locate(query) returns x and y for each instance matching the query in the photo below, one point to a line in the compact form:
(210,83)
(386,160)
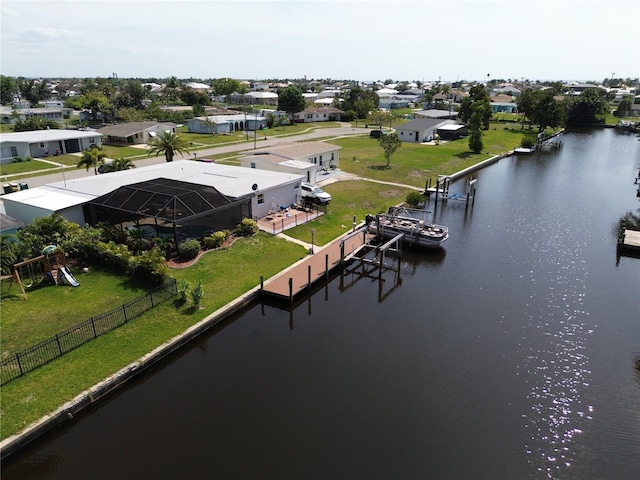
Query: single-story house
(418,129)
(10,115)
(321,114)
(504,107)
(134,133)
(452,131)
(397,101)
(322,155)
(42,143)
(220,124)
(434,113)
(183,196)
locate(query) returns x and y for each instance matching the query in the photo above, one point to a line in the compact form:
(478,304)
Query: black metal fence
(54,347)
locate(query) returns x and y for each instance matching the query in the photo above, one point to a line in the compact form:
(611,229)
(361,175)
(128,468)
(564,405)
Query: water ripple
(555,362)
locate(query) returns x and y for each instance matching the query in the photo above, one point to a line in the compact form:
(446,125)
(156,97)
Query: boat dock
(315,266)
(630,239)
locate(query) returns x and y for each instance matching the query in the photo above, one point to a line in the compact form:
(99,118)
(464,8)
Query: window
(260,199)
(14,151)
(253,164)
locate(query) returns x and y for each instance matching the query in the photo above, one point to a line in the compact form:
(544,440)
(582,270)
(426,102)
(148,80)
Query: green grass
(349,199)
(27,399)
(24,167)
(27,321)
(121,151)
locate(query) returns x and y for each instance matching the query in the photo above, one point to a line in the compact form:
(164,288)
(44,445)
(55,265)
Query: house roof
(297,150)
(47,135)
(229,180)
(433,113)
(9,223)
(321,110)
(280,160)
(420,124)
(128,129)
(168,199)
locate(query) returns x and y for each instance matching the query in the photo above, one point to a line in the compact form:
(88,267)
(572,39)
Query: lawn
(350,199)
(25,322)
(416,163)
(27,399)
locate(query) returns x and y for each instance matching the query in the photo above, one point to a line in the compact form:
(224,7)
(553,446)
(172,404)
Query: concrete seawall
(66,412)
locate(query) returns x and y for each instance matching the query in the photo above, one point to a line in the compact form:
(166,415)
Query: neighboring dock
(315,266)
(630,239)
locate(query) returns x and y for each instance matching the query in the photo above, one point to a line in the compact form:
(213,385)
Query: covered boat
(401,221)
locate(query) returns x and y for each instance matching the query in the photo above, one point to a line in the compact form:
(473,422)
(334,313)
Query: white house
(42,143)
(134,132)
(221,124)
(258,189)
(304,158)
(419,129)
(10,115)
(320,114)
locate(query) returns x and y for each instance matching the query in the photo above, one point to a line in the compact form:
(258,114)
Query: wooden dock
(316,265)
(631,239)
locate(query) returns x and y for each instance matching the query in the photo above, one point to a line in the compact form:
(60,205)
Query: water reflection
(557,369)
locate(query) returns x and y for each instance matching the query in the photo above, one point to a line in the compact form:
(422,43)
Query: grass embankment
(225,275)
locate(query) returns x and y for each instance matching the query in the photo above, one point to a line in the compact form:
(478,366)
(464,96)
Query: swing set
(50,265)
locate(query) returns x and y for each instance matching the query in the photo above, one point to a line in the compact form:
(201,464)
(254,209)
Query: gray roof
(128,129)
(47,135)
(294,150)
(421,124)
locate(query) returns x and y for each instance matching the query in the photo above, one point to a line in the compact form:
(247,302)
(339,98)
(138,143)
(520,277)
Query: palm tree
(122,164)
(91,157)
(168,143)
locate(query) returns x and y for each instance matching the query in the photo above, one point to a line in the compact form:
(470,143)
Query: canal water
(510,353)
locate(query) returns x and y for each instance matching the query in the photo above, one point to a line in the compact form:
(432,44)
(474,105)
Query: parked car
(376,133)
(428,138)
(314,194)
(106,167)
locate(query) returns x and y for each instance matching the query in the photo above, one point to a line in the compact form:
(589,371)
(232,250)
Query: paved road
(72,172)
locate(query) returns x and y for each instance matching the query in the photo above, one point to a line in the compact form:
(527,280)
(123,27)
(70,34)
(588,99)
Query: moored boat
(416,231)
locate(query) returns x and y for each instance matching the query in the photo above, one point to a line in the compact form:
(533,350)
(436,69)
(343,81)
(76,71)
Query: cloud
(9,12)
(51,33)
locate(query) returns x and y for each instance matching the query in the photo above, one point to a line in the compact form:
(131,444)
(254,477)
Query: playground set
(50,266)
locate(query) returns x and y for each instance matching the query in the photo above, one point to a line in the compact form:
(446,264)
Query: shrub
(150,264)
(196,295)
(414,198)
(527,142)
(188,249)
(247,227)
(184,287)
(216,239)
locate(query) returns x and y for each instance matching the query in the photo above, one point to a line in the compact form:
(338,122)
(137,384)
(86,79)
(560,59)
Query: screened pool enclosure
(169,208)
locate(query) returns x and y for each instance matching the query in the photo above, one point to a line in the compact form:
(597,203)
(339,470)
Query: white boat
(415,230)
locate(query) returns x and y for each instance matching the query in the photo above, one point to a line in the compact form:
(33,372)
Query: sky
(365,40)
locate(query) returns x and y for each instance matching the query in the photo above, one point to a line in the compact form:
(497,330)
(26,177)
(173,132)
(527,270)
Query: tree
(91,157)
(226,86)
(389,143)
(8,89)
(122,164)
(477,95)
(360,101)
(33,90)
(97,104)
(290,100)
(588,108)
(9,253)
(546,111)
(475,129)
(624,107)
(33,123)
(168,143)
